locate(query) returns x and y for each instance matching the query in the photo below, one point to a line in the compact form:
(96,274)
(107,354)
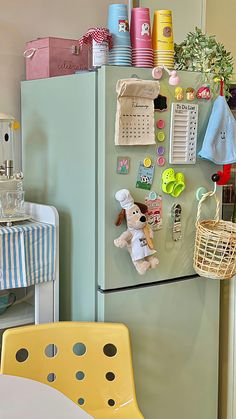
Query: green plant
(201,52)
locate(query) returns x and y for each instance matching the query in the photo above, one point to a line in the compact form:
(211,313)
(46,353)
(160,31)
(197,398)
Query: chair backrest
(89,362)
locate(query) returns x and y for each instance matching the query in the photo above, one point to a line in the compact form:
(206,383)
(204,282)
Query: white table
(21,398)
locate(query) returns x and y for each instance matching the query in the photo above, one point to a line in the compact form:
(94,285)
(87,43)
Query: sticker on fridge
(122,165)
(154,211)
(145,176)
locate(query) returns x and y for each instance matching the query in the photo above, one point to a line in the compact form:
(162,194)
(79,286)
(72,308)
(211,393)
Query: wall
(24,20)
(186,14)
(220,21)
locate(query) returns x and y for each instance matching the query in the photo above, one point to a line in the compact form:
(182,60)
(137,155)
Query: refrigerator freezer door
(174,335)
(59,136)
(115,268)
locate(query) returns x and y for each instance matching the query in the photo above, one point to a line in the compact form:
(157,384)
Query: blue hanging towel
(219,144)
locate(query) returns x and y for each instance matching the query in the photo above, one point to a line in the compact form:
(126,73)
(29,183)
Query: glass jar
(99,54)
(12,204)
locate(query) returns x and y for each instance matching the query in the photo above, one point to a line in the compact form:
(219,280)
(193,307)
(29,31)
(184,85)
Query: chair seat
(88,362)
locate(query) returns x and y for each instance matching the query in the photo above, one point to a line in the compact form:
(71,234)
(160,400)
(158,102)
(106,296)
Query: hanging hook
(214,191)
(202,191)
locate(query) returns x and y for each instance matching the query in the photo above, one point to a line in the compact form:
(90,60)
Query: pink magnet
(161,161)
(157,73)
(160,123)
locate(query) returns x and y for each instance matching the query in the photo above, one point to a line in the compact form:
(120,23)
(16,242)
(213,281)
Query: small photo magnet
(145,176)
(123,165)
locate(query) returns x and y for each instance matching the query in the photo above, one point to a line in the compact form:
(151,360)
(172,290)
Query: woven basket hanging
(215,245)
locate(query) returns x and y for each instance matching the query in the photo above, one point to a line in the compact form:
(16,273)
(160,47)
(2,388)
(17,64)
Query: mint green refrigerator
(70,161)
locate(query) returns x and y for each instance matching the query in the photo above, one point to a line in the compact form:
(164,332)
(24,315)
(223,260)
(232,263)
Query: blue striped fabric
(27,254)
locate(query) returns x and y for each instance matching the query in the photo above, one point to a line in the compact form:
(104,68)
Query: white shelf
(17,315)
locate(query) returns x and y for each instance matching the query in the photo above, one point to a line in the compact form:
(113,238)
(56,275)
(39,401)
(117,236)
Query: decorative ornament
(204,93)
(190,93)
(157,74)
(160,103)
(179,93)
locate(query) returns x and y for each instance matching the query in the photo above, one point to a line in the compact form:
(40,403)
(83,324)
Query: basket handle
(203,198)
(28,53)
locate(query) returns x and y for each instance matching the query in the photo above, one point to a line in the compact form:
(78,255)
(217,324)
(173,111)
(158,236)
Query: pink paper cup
(140,28)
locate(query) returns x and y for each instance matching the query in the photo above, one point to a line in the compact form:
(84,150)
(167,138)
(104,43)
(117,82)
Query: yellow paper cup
(162,32)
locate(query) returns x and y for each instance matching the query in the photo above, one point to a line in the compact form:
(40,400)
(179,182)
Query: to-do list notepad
(183,133)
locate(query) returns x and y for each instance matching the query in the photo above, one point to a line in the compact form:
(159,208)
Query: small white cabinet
(37,303)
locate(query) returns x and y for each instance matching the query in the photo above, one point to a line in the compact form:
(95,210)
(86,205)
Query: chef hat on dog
(219,144)
(125,199)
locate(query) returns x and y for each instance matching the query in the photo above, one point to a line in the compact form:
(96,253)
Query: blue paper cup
(118,24)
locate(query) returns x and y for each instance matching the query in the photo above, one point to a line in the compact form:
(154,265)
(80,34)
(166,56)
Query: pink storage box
(50,57)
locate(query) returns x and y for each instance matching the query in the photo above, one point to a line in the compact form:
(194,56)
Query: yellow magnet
(147,162)
(160,136)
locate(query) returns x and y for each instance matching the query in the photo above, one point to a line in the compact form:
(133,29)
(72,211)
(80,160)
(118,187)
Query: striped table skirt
(27,254)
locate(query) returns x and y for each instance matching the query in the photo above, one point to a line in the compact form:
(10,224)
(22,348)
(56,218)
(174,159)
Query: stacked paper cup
(162,38)
(141,40)
(118,25)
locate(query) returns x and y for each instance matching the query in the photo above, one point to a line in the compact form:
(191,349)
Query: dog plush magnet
(138,236)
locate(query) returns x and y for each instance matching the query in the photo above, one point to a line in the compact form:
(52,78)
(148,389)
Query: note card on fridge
(183,133)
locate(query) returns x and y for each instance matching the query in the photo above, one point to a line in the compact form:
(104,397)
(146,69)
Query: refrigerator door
(115,268)
(174,336)
(59,161)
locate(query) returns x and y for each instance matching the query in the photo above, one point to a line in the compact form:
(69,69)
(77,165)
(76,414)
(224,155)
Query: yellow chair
(89,362)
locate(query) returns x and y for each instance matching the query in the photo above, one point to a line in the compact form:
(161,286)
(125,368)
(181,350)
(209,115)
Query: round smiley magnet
(147,162)
(160,136)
